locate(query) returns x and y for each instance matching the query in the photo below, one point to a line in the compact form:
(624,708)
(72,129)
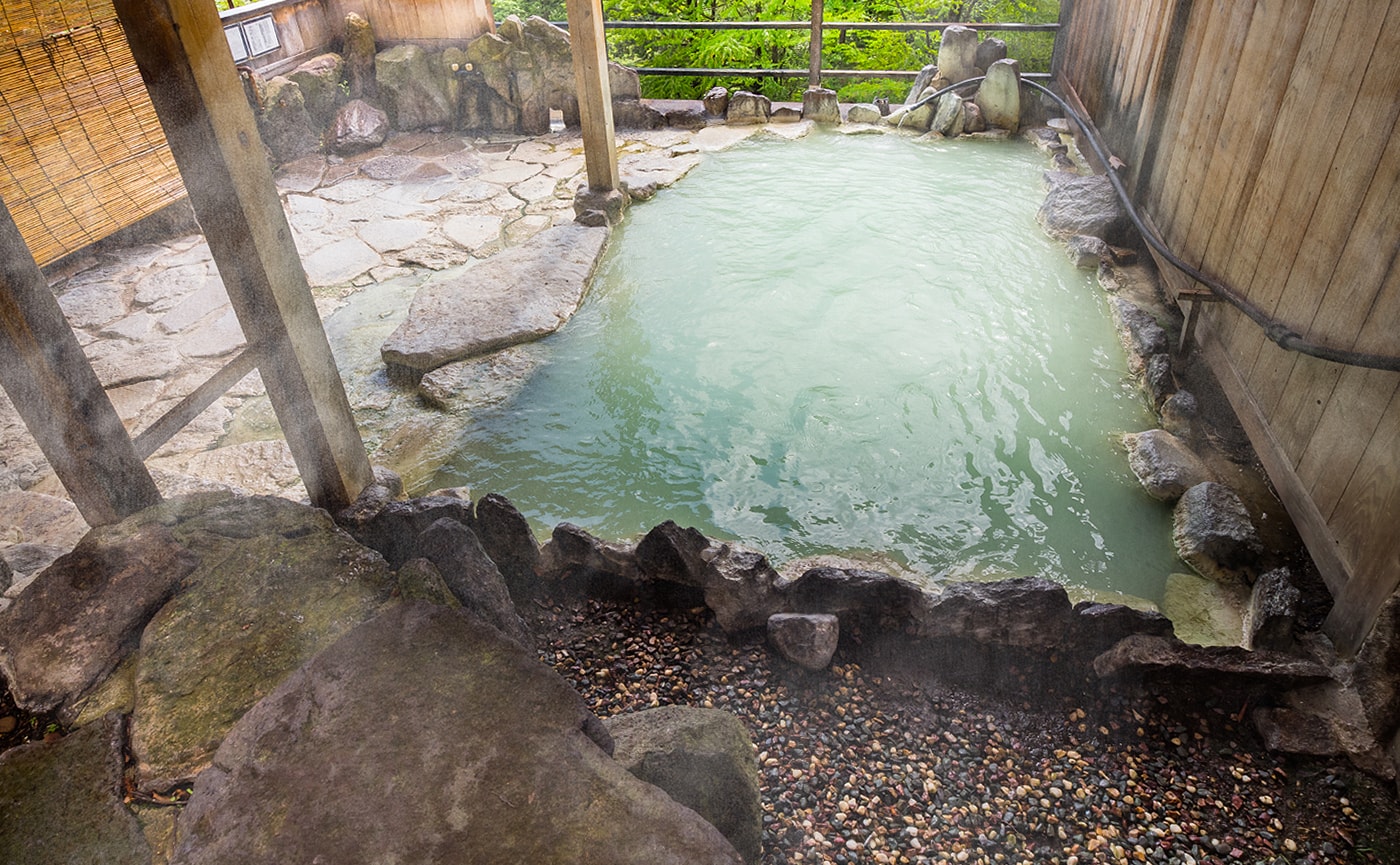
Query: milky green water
(848,344)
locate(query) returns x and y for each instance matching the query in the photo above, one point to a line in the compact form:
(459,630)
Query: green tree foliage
(788,49)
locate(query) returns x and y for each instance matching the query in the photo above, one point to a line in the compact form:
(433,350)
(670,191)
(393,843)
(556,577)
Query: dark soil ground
(881,759)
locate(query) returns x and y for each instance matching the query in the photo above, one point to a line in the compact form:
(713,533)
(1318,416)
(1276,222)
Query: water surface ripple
(842,344)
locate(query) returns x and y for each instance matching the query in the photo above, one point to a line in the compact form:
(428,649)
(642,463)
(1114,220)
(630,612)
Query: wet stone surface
(861,763)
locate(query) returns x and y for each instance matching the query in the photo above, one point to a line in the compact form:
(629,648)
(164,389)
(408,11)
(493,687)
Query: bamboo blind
(82,153)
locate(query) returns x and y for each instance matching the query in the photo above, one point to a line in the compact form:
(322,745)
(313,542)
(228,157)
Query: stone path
(155,321)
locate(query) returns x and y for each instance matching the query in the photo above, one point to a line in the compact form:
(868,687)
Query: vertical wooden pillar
(55,391)
(814,63)
(184,60)
(594,94)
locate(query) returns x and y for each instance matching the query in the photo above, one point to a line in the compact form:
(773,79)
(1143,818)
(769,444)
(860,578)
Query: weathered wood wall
(421,21)
(1260,136)
(305,28)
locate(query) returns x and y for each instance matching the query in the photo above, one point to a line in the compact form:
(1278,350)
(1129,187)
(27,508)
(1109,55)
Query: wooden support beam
(594,93)
(814,62)
(164,428)
(55,391)
(179,47)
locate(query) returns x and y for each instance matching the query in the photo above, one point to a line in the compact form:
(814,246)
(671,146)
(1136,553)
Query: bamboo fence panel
(1264,147)
(81,151)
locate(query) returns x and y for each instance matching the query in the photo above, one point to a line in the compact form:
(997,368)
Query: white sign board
(261,34)
(234,34)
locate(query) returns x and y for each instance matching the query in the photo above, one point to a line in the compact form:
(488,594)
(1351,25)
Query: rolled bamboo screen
(81,150)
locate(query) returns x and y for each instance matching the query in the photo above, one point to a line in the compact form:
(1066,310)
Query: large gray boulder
(319,79)
(573,554)
(702,758)
(1083,204)
(921,82)
(1164,465)
(60,802)
(957,54)
(471,575)
(636,114)
(413,87)
(863,112)
(426,736)
(910,118)
(507,538)
(999,95)
(519,294)
(716,101)
(1324,720)
(860,596)
(276,583)
(285,125)
(85,613)
(1214,534)
(989,51)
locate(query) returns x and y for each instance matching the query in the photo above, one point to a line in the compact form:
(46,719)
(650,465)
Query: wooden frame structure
(183,58)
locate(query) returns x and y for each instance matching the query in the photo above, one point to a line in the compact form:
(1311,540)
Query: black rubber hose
(1278,332)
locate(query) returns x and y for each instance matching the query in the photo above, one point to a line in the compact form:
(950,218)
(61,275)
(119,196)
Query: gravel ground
(899,767)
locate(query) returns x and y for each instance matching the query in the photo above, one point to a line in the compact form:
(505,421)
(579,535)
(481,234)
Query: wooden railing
(815,71)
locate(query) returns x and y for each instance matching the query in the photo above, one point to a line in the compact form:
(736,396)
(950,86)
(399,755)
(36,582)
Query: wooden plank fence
(1261,138)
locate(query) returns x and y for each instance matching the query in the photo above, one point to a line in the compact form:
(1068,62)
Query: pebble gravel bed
(860,767)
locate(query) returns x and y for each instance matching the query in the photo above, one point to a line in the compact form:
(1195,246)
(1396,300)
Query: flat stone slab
(518,295)
(1144,655)
(425,736)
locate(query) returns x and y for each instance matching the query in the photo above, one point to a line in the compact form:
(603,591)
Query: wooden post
(55,391)
(184,60)
(594,94)
(814,62)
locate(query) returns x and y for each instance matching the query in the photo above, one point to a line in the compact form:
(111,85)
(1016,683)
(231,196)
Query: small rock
(358,126)
(1214,534)
(716,101)
(1273,611)
(746,107)
(1164,465)
(1087,252)
(864,112)
(686,118)
(807,639)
